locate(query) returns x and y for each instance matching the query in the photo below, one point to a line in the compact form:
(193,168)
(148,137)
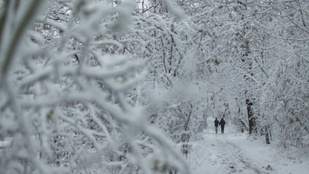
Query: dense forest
(125,86)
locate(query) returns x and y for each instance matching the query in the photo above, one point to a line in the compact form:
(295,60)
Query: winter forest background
(125,86)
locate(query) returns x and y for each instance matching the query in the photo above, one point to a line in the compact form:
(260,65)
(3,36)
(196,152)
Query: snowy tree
(126,86)
(284,97)
(64,76)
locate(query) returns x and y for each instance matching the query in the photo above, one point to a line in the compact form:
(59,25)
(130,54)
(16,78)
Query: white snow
(5,143)
(234,152)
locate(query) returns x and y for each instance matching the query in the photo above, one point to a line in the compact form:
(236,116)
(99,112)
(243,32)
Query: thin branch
(21,29)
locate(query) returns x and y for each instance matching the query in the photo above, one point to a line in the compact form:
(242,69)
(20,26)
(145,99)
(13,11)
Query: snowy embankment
(234,152)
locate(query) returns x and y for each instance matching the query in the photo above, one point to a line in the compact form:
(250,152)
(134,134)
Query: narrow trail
(219,154)
(237,153)
(235,158)
(225,156)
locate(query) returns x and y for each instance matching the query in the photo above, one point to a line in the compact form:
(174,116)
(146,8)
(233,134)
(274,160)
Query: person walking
(216,124)
(222,123)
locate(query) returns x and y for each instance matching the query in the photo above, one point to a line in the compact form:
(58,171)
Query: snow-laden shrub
(64,77)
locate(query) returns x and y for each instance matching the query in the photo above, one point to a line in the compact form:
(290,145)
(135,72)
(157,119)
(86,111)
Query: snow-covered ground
(234,152)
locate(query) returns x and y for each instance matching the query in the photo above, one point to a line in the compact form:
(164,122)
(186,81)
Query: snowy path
(235,159)
(233,152)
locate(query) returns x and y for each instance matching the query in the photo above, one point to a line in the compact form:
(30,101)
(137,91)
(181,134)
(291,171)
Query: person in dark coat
(216,124)
(222,123)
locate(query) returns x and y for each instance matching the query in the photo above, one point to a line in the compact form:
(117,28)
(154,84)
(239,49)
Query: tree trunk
(251,118)
(267,137)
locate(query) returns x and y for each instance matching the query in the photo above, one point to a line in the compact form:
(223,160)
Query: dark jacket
(216,123)
(222,122)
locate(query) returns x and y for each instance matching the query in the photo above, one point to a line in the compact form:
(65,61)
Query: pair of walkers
(221,123)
